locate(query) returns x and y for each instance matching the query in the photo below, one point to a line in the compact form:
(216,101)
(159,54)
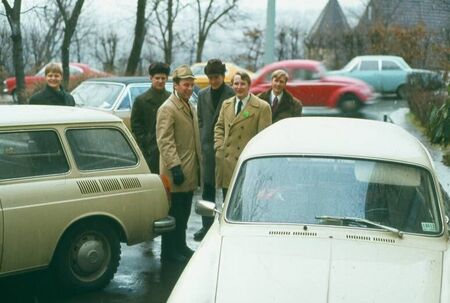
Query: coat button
(238,148)
(226,156)
(236,158)
(239,137)
(242,127)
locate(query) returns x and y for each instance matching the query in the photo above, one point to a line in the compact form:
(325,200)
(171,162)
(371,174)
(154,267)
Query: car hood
(293,269)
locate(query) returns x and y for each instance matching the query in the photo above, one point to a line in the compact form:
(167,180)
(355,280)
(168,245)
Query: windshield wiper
(399,233)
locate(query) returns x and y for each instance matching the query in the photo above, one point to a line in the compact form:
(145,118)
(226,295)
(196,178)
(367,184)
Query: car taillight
(166,182)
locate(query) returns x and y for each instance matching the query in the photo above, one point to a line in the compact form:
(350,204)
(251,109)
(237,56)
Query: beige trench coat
(178,141)
(232,133)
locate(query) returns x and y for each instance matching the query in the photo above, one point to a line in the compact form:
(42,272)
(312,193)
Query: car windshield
(311,190)
(97,94)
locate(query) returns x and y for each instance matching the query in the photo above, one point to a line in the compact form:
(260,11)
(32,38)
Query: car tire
(87,256)
(401,92)
(349,103)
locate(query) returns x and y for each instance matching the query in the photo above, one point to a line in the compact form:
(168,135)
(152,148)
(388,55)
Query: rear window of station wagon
(40,153)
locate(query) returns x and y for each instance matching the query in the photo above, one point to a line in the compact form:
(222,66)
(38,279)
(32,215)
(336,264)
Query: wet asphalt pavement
(141,277)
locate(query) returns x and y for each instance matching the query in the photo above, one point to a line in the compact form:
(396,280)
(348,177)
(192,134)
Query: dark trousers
(180,209)
(209,194)
(224,193)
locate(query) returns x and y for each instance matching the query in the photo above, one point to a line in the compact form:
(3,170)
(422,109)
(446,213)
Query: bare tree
(208,17)
(106,51)
(70,22)
(166,13)
(252,42)
(13,14)
(44,36)
(139,37)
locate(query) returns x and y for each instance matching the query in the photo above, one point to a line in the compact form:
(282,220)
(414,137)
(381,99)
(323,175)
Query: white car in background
(325,210)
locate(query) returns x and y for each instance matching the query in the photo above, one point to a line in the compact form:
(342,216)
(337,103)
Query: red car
(76,70)
(309,83)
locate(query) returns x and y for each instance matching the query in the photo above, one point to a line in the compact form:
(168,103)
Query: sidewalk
(399,117)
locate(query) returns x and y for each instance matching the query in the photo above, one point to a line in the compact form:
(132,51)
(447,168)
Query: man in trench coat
(178,141)
(210,101)
(240,119)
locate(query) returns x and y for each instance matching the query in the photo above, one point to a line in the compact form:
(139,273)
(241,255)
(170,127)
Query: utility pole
(270,33)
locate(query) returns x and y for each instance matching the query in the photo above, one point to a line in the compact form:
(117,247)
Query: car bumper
(164,225)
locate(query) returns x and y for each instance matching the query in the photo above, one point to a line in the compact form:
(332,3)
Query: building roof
(338,137)
(433,13)
(331,22)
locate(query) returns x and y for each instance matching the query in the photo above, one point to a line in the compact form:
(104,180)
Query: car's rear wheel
(87,257)
(401,92)
(349,103)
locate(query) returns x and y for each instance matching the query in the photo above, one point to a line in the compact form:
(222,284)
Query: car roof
(377,57)
(341,137)
(15,115)
(125,80)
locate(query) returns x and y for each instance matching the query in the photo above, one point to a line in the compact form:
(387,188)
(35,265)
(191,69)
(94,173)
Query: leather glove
(177,174)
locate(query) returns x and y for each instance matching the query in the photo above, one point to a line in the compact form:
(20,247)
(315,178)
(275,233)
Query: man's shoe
(200,234)
(174,257)
(187,252)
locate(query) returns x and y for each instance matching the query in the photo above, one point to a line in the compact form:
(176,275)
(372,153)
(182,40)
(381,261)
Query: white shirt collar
(272,96)
(244,103)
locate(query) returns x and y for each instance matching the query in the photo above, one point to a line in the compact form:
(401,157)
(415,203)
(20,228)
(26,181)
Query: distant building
(326,39)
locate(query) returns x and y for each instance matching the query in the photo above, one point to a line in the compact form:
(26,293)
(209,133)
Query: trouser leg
(209,194)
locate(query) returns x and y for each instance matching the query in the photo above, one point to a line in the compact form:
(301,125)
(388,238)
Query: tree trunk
(168,49)
(13,15)
(139,35)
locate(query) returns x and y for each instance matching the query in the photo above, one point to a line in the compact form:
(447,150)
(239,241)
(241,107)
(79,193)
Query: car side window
(369,65)
(75,70)
(29,154)
(303,75)
(389,65)
(100,148)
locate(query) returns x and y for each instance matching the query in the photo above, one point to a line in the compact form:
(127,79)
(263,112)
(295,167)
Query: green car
(386,74)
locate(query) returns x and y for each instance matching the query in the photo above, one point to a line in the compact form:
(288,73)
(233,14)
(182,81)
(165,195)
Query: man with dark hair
(208,107)
(178,141)
(283,104)
(143,114)
(240,119)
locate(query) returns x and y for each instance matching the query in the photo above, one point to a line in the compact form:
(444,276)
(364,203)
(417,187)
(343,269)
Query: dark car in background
(309,83)
(115,95)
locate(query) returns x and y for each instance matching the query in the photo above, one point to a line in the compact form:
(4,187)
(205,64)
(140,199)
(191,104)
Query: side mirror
(206,208)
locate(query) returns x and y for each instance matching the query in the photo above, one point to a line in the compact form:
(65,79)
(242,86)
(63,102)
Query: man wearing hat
(208,107)
(143,114)
(178,141)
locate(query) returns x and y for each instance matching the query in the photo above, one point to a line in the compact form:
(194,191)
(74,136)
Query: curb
(398,117)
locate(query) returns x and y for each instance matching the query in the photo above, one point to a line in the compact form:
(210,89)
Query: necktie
(275,103)
(239,107)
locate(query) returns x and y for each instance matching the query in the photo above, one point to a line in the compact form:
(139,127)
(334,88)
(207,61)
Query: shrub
(439,126)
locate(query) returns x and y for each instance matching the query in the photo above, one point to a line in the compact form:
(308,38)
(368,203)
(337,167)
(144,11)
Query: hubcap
(90,256)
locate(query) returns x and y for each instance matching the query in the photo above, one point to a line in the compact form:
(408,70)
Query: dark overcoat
(288,106)
(49,96)
(143,124)
(207,118)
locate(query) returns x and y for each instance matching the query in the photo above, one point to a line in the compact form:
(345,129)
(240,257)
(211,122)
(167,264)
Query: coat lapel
(248,111)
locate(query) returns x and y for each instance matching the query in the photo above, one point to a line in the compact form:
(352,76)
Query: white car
(73,185)
(325,210)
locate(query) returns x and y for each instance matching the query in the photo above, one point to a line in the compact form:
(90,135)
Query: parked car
(309,83)
(115,95)
(325,210)
(386,74)
(74,184)
(202,80)
(76,70)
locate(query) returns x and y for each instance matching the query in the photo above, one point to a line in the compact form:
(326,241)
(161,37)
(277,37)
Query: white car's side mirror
(206,208)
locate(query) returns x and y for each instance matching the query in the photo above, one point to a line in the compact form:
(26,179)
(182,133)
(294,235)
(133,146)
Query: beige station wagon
(74,184)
